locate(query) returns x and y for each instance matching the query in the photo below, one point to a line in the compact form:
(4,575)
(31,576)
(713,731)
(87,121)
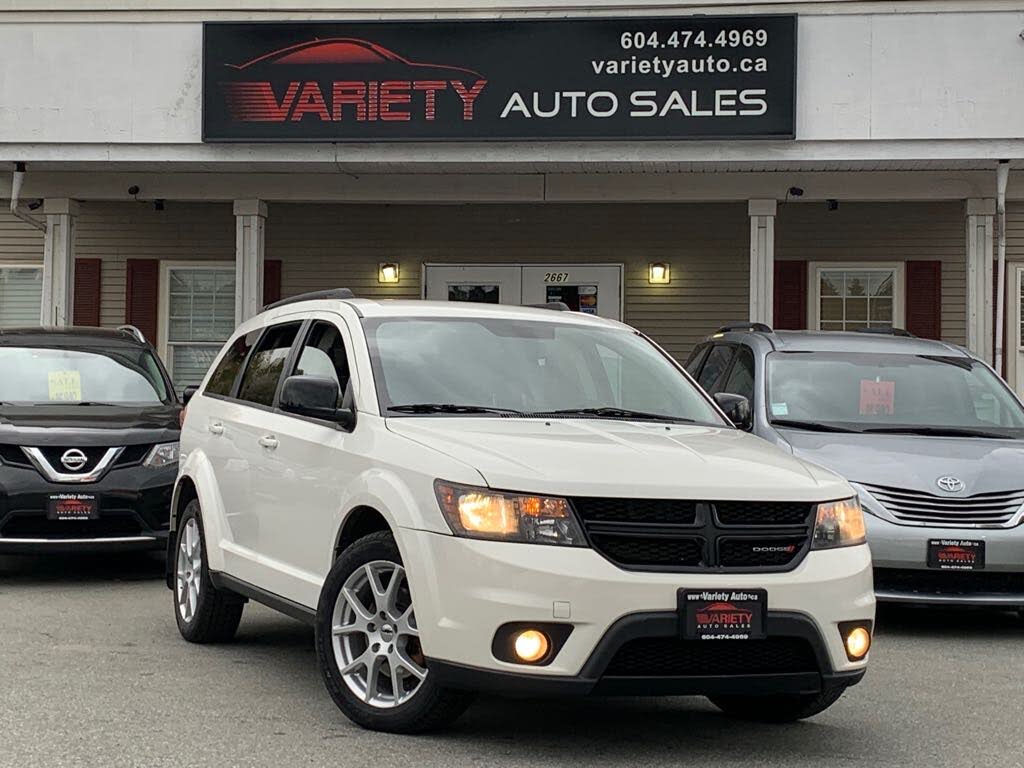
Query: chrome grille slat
(992,509)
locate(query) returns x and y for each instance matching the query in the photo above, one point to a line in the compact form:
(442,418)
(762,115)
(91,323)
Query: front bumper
(134,512)
(900,554)
(464,590)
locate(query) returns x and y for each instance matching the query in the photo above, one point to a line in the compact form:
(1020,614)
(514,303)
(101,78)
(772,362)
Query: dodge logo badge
(950,484)
(73,460)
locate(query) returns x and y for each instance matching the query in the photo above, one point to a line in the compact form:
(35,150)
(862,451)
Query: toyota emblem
(950,484)
(73,459)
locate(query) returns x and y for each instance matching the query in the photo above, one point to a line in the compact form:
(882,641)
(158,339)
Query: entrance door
(1015,330)
(487,285)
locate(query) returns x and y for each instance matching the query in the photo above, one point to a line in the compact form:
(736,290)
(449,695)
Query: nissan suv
(88,441)
(468,497)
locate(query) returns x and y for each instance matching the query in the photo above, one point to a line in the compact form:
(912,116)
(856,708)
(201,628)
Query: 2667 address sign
(636,78)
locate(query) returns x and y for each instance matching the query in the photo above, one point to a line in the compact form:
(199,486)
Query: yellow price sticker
(65,386)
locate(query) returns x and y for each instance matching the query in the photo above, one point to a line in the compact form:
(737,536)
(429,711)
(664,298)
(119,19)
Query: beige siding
(884,232)
(19,242)
(706,245)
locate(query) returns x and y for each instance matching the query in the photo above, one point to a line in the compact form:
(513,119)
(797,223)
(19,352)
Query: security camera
(796,191)
(35,205)
(133,190)
(158,205)
(832,204)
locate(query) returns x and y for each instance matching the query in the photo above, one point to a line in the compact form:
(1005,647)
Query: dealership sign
(637,78)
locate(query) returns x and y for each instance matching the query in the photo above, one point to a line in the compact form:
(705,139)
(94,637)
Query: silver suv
(931,438)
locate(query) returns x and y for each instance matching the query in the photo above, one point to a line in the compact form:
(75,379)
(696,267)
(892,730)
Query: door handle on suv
(268,441)
(216,428)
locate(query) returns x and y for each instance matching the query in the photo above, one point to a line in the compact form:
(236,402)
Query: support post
(980,215)
(57,306)
(762,260)
(250,224)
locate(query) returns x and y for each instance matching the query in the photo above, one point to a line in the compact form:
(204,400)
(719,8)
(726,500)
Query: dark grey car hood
(913,461)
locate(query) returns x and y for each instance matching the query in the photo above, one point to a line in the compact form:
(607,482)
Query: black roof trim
(336,294)
(39,335)
(745,325)
(887,331)
(557,306)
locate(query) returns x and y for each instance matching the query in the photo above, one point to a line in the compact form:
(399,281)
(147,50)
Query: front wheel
(779,708)
(368,647)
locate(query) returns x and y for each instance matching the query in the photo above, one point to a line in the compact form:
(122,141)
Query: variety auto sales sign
(664,78)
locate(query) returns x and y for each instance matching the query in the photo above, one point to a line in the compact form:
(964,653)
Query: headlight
(162,455)
(839,524)
(480,513)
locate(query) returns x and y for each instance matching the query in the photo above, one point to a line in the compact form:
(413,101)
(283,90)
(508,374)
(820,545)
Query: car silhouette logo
(950,484)
(73,460)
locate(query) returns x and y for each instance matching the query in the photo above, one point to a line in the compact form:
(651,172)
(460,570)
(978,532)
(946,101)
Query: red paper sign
(877,398)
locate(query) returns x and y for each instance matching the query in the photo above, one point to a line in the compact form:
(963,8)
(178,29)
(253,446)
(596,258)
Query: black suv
(89,427)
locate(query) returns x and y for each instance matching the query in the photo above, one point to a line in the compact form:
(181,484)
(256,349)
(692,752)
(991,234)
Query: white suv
(466,497)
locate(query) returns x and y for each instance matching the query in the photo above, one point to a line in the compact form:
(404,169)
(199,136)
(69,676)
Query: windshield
(526,367)
(48,376)
(890,393)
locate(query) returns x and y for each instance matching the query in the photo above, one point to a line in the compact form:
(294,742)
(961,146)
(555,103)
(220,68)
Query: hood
(592,457)
(88,424)
(914,462)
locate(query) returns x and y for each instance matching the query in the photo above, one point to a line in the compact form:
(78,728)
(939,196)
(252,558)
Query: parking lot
(95,673)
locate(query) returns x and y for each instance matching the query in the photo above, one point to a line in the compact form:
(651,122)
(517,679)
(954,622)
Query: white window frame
(164,310)
(24,265)
(815,268)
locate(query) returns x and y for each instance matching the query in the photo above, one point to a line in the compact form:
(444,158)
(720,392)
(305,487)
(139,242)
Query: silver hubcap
(376,642)
(189,569)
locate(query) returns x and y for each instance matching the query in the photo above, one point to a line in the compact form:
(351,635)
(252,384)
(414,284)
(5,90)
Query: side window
(718,361)
(741,377)
(259,382)
(323,354)
(223,378)
(696,359)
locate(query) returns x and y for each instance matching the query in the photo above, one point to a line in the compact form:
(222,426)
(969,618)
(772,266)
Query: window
(200,307)
(223,379)
(262,374)
(851,296)
(741,377)
(696,359)
(717,362)
(324,355)
(21,293)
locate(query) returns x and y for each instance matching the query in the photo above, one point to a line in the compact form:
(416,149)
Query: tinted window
(741,377)
(696,358)
(324,355)
(717,362)
(262,374)
(223,379)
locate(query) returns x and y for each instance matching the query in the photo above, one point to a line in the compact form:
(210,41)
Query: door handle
(216,428)
(268,441)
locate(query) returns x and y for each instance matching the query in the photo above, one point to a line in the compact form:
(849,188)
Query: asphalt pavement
(94,673)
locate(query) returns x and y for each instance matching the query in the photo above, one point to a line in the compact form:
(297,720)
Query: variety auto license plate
(723,614)
(73,506)
(956,554)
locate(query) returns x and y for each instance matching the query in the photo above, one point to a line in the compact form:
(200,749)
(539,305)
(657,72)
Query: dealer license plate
(723,614)
(956,554)
(73,506)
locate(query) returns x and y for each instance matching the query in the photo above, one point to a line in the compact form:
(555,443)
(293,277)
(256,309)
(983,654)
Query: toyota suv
(88,441)
(467,497)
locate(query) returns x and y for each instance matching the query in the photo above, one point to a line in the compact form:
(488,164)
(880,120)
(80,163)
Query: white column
(250,222)
(980,214)
(57,307)
(762,259)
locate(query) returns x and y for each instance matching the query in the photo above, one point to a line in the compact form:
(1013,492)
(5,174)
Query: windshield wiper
(811,426)
(613,413)
(449,408)
(937,432)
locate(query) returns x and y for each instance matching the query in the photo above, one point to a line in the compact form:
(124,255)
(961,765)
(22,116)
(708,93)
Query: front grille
(93,454)
(132,454)
(36,526)
(686,535)
(13,456)
(982,510)
(948,583)
(673,657)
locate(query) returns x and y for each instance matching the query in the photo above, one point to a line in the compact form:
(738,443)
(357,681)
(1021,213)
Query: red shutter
(271,281)
(87,291)
(790,295)
(924,299)
(142,296)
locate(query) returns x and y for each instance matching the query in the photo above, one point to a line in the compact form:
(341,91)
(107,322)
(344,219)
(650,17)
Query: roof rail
(557,306)
(133,331)
(886,331)
(745,326)
(333,293)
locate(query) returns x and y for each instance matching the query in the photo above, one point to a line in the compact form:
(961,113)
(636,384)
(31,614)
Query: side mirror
(187,393)
(737,408)
(316,397)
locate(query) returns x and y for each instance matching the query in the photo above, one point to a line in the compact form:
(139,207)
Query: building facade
(834,164)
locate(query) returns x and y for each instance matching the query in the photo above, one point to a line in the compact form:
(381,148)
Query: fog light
(531,645)
(858,643)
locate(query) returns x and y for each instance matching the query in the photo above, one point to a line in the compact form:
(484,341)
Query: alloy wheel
(189,569)
(375,638)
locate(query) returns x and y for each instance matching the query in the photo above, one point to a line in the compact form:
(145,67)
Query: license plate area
(73,506)
(723,614)
(956,554)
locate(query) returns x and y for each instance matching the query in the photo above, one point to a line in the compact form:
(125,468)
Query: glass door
(483,284)
(590,289)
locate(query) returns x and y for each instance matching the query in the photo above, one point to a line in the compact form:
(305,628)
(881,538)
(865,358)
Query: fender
(196,467)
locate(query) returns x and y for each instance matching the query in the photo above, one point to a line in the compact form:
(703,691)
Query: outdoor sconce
(658,273)
(388,273)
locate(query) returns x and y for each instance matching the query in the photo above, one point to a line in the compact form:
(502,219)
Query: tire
(778,709)
(211,615)
(371,570)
